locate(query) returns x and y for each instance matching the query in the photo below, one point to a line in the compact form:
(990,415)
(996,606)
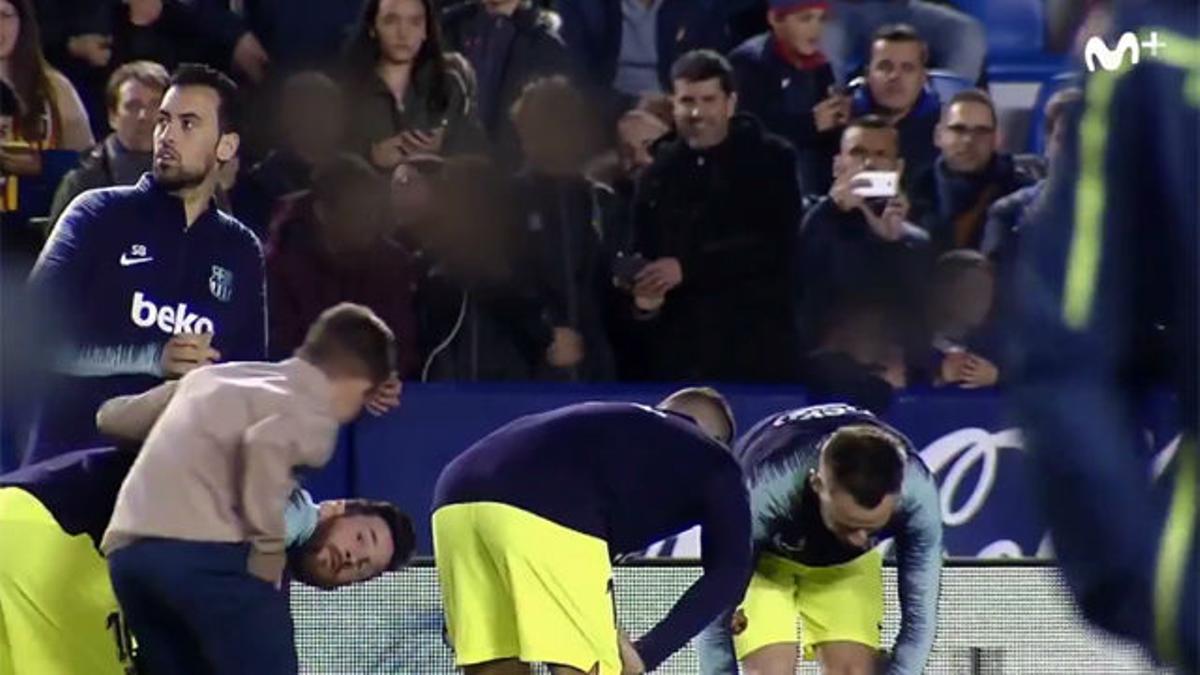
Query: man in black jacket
(954,195)
(510,44)
(133,95)
(715,214)
(854,250)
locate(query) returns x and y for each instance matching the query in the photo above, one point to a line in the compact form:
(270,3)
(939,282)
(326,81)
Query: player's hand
(658,278)
(978,372)
(739,623)
(94,49)
(386,396)
(251,57)
(631,661)
(567,348)
(186,352)
(648,303)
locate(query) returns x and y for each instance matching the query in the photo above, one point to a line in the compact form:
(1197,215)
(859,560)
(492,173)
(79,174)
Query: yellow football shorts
(839,603)
(58,614)
(516,585)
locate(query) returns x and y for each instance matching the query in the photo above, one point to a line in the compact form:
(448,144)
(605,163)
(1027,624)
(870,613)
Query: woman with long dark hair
(409,97)
(39,109)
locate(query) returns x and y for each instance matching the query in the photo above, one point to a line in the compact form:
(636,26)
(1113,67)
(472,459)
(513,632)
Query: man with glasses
(954,195)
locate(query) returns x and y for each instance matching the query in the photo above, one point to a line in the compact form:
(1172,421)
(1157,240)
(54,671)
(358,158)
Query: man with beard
(53,516)
(149,282)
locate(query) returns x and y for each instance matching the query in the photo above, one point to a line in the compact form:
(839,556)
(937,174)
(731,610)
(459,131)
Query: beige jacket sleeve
(76,133)
(130,418)
(271,450)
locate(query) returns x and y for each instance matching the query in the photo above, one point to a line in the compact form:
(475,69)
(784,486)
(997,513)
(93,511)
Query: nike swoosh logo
(126,261)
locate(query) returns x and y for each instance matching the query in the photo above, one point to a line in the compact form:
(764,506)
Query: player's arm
(919,554)
(271,450)
(63,275)
(130,418)
(300,518)
(725,556)
(249,343)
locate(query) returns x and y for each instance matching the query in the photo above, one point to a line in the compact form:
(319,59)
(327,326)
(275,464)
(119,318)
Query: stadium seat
(36,193)
(1036,142)
(947,84)
(1016,35)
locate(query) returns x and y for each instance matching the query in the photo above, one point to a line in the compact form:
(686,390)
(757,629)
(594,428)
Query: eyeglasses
(964,130)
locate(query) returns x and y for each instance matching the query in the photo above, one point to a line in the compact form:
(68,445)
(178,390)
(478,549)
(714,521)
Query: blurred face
(969,298)
(635,135)
(799,31)
(967,137)
(312,122)
(501,7)
(400,28)
(350,223)
(867,150)
(1055,139)
(896,74)
(702,112)
(350,394)
(10,29)
(347,549)
(134,117)
(188,144)
(852,523)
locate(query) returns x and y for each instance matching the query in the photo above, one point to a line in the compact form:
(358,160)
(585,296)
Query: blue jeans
(194,609)
(957,41)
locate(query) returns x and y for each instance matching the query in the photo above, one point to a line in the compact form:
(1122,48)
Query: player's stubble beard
(177,177)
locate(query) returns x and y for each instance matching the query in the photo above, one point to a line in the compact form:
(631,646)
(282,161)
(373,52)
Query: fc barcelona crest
(220,284)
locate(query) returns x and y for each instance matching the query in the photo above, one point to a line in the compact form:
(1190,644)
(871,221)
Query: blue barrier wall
(968,439)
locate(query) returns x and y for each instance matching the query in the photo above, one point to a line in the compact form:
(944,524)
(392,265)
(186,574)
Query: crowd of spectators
(576,190)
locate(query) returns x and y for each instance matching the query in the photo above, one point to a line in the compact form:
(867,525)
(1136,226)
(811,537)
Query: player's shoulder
(234,231)
(98,204)
(750,52)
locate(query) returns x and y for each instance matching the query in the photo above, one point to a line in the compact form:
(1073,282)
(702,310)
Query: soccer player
(57,609)
(150,281)
(826,484)
(196,542)
(1111,302)
(527,521)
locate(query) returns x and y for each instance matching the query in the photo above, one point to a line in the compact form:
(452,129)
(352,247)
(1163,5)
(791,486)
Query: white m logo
(1111,59)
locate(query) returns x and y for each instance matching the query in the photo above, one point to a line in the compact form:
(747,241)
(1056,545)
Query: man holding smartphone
(150,281)
(857,243)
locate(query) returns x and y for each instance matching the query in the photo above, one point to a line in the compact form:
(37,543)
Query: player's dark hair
(704,64)
(865,461)
(404,540)
(200,75)
(977,96)
(902,32)
(953,264)
(350,340)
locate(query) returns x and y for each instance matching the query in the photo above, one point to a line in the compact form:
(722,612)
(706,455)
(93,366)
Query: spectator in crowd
(509,43)
(405,98)
(896,89)
(963,352)
(858,249)
(715,215)
(1008,216)
(39,109)
(784,79)
(151,281)
(954,195)
(638,130)
(563,214)
(957,41)
(859,359)
(482,316)
(627,48)
(330,247)
(311,127)
(134,92)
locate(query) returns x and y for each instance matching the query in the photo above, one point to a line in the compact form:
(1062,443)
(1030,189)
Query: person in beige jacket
(196,543)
